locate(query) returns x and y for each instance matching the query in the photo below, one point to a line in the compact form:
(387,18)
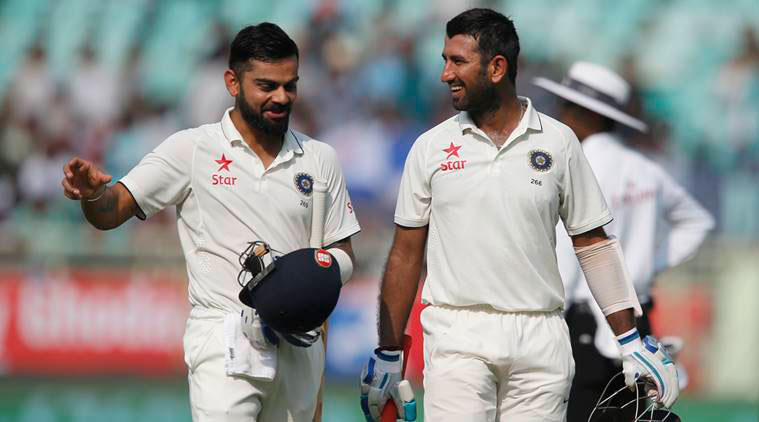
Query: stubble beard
(257,121)
(482,97)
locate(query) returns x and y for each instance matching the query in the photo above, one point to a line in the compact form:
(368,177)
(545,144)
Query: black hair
(494,32)
(266,42)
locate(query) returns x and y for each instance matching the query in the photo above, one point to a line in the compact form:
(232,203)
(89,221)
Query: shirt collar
(228,127)
(531,118)
(290,146)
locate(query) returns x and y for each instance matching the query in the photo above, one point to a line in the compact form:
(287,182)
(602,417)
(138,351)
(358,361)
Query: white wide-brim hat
(596,88)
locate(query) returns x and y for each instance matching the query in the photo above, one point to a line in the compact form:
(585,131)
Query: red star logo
(224,163)
(452,150)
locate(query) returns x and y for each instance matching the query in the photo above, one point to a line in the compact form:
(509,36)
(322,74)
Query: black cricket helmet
(296,293)
(612,408)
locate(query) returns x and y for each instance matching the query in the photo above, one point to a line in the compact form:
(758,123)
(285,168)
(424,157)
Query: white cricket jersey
(225,198)
(492,213)
(657,223)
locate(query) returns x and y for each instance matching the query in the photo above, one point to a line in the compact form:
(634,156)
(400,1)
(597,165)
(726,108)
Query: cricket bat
(390,413)
(316,240)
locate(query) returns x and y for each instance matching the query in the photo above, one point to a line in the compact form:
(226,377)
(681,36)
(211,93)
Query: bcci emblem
(304,183)
(540,160)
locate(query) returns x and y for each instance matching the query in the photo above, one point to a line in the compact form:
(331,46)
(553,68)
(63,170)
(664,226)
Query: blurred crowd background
(109,80)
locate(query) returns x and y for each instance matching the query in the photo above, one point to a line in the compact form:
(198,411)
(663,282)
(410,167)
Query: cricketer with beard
(248,177)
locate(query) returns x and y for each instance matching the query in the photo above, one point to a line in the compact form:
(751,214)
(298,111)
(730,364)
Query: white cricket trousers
(481,365)
(217,397)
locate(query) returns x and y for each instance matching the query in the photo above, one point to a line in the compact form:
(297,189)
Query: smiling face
(265,93)
(465,74)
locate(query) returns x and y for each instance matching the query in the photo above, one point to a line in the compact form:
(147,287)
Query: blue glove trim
(651,344)
(653,371)
(388,358)
(629,338)
(365,406)
(384,381)
(369,372)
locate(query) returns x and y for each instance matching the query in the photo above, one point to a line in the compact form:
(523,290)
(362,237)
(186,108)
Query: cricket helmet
(295,293)
(611,407)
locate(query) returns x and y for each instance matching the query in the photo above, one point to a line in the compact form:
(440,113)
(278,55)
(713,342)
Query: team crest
(304,183)
(540,160)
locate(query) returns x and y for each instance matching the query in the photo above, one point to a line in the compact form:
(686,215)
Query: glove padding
(649,360)
(258,334)
(379,382)
(306,339)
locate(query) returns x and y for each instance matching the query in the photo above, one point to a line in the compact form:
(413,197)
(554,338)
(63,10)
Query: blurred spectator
(18,139)
(141,128)
(96,92)
(33,86)
(364,156)
(369,83)
(7,193)
(40,172)
(737,91)
(207,93)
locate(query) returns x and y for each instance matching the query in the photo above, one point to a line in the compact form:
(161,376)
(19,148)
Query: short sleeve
(341,221)
(162,178)
(415,193)
(583,207)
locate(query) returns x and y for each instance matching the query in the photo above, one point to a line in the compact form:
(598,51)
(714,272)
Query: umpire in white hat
(657,223)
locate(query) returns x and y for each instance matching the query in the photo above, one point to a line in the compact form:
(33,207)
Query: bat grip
(318,211)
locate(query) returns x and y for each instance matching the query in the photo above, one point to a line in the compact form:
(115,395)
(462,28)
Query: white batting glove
(254,329)
(379,383)
(649,360)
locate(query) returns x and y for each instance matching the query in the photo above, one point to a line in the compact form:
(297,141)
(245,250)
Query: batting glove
(649,360)
(258,333)
(379,383)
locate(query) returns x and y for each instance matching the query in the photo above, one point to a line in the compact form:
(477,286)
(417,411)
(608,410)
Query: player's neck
(501,120)
(265,146)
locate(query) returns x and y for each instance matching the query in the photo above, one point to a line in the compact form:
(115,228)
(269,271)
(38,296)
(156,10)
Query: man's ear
(232,82)
(497,68)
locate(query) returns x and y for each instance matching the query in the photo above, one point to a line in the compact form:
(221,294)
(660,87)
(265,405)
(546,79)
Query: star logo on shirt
(452,150)
(224,163)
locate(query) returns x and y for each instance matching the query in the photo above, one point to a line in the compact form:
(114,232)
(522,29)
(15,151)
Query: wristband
(344,262)
(629,342)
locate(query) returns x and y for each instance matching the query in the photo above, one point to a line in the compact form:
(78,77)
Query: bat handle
(318,210)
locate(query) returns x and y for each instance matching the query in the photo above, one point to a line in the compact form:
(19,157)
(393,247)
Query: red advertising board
(91,323)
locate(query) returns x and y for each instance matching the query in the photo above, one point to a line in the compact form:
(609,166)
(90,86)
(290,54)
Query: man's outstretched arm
(105,207)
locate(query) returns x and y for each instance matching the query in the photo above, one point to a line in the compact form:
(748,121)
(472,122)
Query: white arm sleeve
(345,263)
(604,268)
